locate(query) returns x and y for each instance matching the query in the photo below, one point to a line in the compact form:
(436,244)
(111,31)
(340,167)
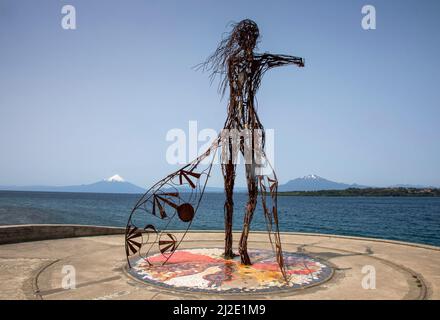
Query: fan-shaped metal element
(133,240)
(168,244)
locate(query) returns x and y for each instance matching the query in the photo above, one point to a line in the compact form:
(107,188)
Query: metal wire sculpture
(240,69)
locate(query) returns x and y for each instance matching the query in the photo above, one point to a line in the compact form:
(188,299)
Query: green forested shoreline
(368,192)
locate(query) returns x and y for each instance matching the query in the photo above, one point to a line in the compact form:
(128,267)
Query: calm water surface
(399,218)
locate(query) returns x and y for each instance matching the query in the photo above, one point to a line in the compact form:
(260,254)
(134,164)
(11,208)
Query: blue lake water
(397,218)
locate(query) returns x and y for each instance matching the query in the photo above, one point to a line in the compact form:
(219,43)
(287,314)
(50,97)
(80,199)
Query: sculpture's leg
(229,178)
(250,208)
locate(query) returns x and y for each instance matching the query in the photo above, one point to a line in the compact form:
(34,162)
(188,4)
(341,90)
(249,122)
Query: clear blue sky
(79,106)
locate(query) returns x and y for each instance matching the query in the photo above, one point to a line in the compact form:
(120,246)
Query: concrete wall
(23,233)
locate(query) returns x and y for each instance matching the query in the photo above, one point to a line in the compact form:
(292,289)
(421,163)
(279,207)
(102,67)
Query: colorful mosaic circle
(205,270)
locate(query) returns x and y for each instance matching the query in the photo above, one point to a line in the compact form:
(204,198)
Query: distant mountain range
(313,182)
(116,184)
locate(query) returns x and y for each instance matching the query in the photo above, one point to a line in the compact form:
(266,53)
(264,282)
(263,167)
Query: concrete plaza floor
(35,270)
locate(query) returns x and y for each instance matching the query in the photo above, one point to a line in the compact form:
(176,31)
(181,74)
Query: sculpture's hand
(269,60)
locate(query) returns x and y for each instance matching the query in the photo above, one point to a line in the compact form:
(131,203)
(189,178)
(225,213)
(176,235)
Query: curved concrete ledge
(329,235)
(36,232)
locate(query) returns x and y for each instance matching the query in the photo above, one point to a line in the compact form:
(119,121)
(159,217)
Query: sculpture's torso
(244,76)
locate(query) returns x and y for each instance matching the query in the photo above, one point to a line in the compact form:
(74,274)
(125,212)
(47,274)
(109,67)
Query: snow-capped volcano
(115,178)
(312,182)
(312,177)
(114,184)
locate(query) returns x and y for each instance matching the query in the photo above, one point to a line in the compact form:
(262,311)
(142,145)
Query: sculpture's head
(242,40)
(245,34)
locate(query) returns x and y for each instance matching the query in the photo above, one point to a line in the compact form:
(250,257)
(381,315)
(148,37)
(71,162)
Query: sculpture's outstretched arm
(269,60)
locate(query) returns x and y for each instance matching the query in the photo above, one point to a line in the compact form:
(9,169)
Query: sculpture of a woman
(241,70)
